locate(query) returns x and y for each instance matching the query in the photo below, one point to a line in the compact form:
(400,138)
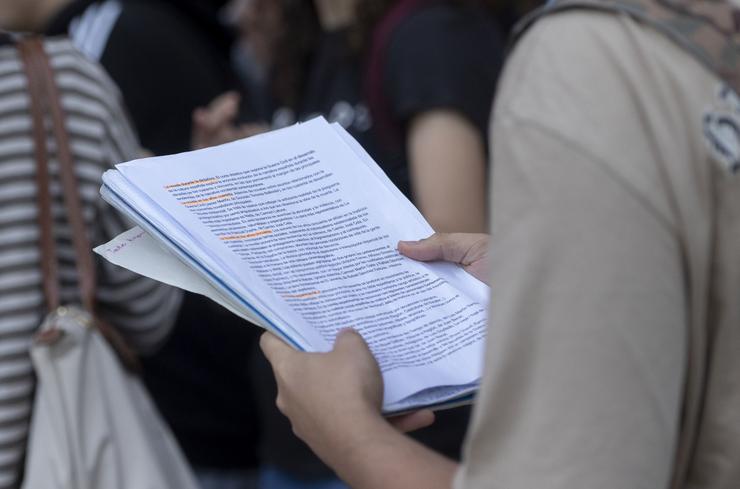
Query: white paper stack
(296,231)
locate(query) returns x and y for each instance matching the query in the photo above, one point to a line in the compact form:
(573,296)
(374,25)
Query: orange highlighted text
(255,234)
(303,296)
(202,181)
(215,198)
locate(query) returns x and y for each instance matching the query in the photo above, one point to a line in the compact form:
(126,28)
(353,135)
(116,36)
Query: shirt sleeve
(586,345)
(444,58)
(142,309)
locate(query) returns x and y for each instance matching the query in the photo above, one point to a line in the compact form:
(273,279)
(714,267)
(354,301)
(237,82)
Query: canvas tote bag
(93,425)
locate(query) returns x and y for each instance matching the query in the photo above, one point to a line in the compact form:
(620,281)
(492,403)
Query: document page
(139,252)
(298,218)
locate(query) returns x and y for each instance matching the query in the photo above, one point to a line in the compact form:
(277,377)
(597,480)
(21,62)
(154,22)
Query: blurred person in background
(258,25)
(413,82)
(100,137)
(169,57)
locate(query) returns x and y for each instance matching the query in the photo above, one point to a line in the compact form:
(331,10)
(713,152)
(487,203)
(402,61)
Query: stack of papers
(296,231)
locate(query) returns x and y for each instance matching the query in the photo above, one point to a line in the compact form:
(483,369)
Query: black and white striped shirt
(100,137)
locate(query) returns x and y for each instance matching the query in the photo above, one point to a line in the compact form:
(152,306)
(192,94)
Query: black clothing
(201,382)
(444,58)
(167,60)
(441,57)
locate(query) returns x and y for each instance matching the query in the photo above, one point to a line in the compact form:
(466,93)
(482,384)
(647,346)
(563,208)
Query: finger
(201,132)
(450,247)
(413,421)
(273,347)
(423,250)
(224,99)
(439,246)
(349,339)
(201,120)
(223,108)
(203,127)
(198,115)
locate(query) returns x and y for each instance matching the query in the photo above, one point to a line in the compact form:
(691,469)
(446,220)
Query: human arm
(143,310)
(439,78)
(333,402)
(447,161)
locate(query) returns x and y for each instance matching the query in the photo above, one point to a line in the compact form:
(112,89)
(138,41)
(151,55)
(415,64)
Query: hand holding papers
(296,230)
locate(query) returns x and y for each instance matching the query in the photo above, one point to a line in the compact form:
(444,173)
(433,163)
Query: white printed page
(299,219)
(180,243)
(455,275)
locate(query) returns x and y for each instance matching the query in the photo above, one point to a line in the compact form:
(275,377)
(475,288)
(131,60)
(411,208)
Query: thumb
(424,250)
(450,247)
(349,339)
(273,347)
(439,246)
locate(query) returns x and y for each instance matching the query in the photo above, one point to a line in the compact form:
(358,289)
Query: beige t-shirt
(614,341)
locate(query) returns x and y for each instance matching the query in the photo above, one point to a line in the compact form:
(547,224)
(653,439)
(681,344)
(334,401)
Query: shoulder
(74,72)
(588,55)
(444,57)
(96,118)
(446,44)
(149,13)
(79,78)
(155,25)
(162,44)
(614,90)
(441,24)
(66,59)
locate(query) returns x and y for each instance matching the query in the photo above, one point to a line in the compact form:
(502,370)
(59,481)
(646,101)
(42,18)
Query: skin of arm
(447,160)
(333,399)
(333,402)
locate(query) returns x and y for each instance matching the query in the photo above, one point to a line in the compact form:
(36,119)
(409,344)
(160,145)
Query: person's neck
(44,11)
(335,14)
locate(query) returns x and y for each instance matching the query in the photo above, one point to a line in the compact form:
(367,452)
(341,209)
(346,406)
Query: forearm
(333,402)
(448,172)
(372,454)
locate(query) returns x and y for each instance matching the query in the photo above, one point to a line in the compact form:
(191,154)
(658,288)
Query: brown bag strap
(49,268)
(83,251)
(45,98)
